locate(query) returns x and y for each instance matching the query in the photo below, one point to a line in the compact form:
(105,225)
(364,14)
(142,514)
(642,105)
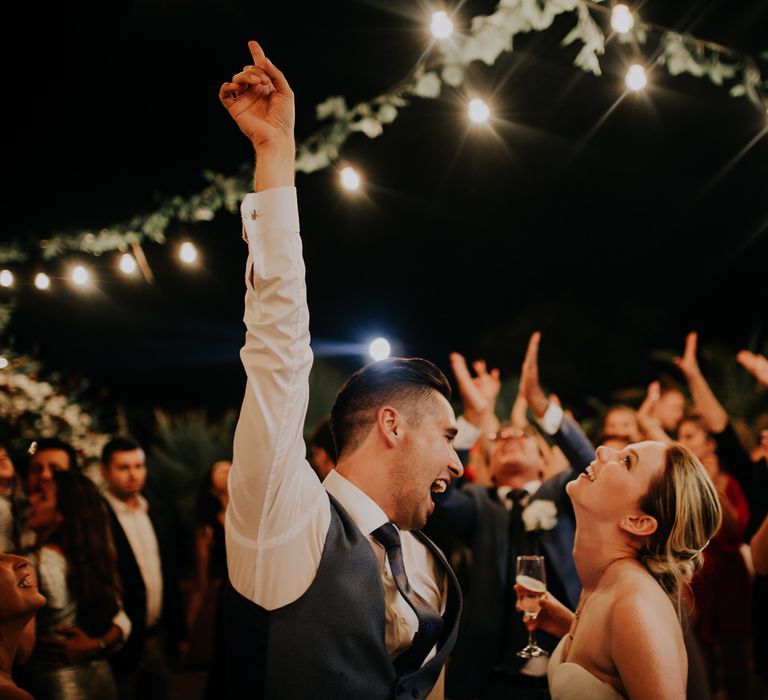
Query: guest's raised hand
(755,364)
(651,426)
(688,364)
(530,386)
(478,393)
(260,100)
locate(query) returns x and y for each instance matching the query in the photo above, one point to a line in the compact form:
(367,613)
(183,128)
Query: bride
(644,514)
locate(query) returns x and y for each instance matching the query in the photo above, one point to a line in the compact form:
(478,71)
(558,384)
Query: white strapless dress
(573,682)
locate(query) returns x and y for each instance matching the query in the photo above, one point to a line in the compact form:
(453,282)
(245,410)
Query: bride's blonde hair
(684,502)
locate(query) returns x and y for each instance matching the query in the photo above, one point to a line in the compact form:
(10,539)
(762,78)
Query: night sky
(614,235)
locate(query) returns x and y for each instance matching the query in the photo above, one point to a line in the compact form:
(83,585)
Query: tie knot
(387,535)
(517,495)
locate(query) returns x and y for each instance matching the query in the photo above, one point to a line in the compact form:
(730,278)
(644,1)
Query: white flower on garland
(540,515)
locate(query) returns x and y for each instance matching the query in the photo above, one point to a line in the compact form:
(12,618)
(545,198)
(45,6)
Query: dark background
(614,236)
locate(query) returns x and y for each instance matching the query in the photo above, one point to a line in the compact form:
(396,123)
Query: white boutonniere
(540,515)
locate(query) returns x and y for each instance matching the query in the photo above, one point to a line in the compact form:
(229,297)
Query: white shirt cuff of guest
(124,623)
(552,419)
(467,436)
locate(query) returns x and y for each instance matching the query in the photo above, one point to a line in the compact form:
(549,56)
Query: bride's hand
(553,617)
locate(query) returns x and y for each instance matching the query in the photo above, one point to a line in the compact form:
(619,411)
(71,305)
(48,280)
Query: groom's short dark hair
(406,383)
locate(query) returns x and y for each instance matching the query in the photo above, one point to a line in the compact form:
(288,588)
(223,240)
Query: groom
(333,591)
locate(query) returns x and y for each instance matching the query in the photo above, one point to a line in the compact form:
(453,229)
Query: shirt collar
(530,486)
(121,507)
(364,511)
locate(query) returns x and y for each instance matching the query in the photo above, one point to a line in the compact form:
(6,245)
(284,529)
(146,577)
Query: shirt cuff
(275,208)
(467,436)
(122,621)
(552,419)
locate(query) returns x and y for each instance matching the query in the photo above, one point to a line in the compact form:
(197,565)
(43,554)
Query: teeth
(439,486)
(25,582)
(590,472)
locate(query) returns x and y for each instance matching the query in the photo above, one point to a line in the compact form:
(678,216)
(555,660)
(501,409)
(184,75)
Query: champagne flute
(532,578)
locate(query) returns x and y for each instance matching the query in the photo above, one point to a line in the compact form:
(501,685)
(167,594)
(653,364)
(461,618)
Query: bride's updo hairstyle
(684,502)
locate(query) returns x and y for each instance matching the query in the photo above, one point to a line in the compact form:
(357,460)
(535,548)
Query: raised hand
(688,364)
(260,100)
(651,426)
(479,393)
(530,387)
(755,364)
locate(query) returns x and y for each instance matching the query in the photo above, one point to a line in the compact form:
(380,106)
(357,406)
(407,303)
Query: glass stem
(531,640)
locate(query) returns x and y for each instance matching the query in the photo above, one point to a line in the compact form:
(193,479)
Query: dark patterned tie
(517,527)
(430,621)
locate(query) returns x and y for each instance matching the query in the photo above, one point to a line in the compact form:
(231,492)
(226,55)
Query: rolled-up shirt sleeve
(278,514)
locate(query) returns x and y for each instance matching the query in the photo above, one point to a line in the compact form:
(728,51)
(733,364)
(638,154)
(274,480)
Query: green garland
(488,37)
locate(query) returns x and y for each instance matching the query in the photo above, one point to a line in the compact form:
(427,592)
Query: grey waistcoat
(330,642)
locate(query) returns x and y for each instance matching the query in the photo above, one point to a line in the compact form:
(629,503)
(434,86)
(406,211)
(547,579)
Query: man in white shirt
(140,667)
(331,593)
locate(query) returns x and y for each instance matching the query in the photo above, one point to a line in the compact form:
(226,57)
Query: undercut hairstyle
(684,502)
(407,384)
(322,438)
(53,443)
(117,444)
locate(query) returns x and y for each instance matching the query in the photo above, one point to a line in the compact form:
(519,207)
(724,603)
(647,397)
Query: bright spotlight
(6,278)
(350,179)
(128,264)
(42,281)
(441,25)
(479,112)
(622,19)
(80,276)
(188,253)
(636,79)
(379,349)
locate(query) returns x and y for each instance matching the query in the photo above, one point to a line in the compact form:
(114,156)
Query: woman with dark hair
(205,618)
(644,515)
(82,620)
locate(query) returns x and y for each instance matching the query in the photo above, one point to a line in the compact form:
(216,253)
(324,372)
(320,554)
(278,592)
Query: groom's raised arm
(278,514)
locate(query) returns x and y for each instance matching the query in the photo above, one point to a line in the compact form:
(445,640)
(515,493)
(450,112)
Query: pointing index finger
(257,53)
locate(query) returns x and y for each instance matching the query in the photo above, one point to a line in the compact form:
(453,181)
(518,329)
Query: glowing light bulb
(636,79)
(350,179)
(6,278)
(441,25)
(479,112)
(80,276)
(379,349)
(622,19)
(128,264)
(42,281)
(188,253)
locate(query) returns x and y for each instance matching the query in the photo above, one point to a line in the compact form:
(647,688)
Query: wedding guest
(644,515)
(46,457)
(622,421)
(669,409)
(323,450)
(517,515)
(20,599)
(82,620)
(148,578)
(7,487)
(334,592)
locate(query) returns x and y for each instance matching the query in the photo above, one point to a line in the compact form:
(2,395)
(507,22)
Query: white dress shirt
(279,513)
(141,536)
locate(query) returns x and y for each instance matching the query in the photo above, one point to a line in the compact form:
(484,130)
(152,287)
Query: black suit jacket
(135,593)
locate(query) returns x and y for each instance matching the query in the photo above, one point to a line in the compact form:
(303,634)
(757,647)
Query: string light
(42,281)
(188,253)
(622,19)
(636,79)
(6,278)
(441,25)
(128,264)
(80,276)
(350,179)
(379,349)
(479,112)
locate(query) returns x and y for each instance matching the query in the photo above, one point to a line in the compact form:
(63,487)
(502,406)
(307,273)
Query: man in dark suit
(500,523)
(150,587)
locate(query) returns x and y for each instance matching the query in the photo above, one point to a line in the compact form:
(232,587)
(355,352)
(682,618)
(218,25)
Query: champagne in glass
(532,578)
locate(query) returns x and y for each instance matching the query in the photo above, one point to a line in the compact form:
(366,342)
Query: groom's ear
(639,524)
